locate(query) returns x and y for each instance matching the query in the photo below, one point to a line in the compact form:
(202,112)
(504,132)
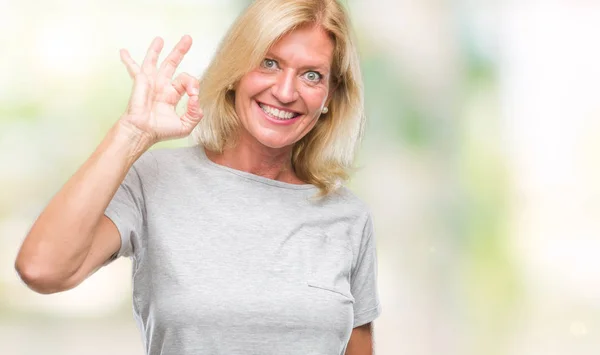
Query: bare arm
(61,239)
(72,238)
(361,341)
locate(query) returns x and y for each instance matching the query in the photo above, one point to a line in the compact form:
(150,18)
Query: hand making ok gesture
(155,95)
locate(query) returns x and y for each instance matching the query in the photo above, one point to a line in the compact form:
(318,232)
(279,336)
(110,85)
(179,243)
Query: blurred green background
(479,165)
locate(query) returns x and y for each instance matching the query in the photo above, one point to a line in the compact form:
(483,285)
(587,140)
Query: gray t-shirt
(227,262)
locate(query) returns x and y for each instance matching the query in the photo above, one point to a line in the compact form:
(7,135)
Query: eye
(313,76)
(269,63)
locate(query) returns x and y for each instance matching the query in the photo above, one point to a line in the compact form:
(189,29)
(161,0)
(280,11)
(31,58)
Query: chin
(274,142)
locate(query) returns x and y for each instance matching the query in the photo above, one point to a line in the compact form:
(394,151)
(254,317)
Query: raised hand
(151,108)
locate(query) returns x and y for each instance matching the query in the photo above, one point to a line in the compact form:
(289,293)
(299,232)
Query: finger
(184,83)
(149,63)
(130,64)
(193,113)
(141,98)
(170,64)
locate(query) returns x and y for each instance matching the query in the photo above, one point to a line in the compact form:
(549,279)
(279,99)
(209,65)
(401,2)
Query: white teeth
(276,113)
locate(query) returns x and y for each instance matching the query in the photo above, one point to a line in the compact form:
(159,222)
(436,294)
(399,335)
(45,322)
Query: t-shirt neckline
(250,176)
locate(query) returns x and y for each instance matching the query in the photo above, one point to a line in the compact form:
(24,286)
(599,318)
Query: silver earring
(229,87)
(325,110)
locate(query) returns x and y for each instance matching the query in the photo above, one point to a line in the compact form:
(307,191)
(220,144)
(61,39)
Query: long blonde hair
(324,157)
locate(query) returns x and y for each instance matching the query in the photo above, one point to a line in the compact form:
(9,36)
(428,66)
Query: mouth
(278,114)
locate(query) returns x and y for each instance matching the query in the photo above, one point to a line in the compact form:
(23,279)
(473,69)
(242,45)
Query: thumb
(192,115)
(187,84)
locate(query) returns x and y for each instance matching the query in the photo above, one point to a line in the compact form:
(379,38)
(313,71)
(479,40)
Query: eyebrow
(322,69)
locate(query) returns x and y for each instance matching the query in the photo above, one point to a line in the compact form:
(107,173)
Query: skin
(72,238)
(294,76)
(264,148)
(361,341)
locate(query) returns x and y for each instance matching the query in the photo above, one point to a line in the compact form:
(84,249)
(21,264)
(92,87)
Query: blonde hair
(325,156)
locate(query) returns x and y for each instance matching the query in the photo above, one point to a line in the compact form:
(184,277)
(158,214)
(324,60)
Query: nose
(284,89)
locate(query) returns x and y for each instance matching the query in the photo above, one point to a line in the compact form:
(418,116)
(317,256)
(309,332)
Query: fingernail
(195,91)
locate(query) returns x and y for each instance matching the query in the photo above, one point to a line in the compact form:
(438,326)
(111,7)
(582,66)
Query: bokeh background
(480,165)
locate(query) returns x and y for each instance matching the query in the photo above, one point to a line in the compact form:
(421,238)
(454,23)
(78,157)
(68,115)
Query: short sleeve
(364,280)
(127,209)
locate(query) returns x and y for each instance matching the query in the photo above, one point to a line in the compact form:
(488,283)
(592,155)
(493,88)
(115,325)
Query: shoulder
(176,161)
(345,199)
(143,170)
(156,165)
(169,156)
(352,208)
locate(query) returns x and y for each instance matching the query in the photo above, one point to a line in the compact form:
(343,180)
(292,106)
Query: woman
(245,243)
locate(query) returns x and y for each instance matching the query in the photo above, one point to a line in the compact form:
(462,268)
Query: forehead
(305,46)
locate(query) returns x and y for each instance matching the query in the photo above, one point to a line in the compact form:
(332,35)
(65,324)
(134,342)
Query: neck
(253,157)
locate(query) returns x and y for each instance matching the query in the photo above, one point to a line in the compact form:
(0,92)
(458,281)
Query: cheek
(315,98)
(252,84)
(248,87)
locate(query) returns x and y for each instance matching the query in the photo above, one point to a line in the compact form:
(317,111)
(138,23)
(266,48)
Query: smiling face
(280,101)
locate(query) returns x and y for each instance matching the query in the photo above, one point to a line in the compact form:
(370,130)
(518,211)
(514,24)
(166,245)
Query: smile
(278,114)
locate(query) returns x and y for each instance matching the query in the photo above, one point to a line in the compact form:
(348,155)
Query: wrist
(127,138)
(131,132)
